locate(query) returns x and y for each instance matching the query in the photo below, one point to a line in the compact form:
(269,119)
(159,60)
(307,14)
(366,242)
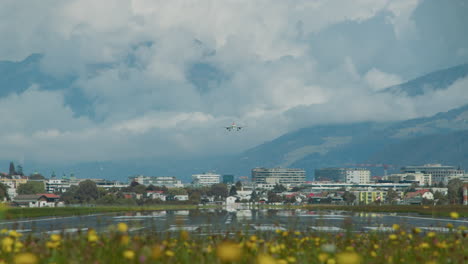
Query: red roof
(49,195)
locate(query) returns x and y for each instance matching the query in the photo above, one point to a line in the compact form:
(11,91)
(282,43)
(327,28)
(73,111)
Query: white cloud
(268,73)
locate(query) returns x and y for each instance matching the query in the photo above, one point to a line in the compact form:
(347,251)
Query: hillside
(347,144)
(432,81)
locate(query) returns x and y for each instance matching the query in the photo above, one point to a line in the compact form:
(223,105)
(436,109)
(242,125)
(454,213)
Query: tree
(233,191)
(31,187)
(239,185)
(177,191)
(440,198)
(349,197)
(219,191)
(455,191)
(69,197)
(36,176)
(87,191)
(3,191)
(279,188)
(12,170)
(392,196)
(274,198)
(254,196)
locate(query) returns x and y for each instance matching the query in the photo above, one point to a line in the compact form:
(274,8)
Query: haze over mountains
(440,138)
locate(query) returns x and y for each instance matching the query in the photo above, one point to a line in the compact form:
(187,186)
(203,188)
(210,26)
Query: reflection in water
(250,220)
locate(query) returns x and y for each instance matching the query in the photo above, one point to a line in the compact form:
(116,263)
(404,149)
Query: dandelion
(156,252)
(169,253)
(348,258)
(395,227)
(393,237)
(265,259)
(92,236)
(228,251)
(129,254)
(25,258)
(454,215)
(431,234)
(122,227)
(322,257)
(7,244)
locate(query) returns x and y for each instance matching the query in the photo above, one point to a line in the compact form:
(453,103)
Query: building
(331,174)
(168,181)
(206,179)
(358,176)
(368,197)
(419,177)
(55,185)
(37,200)
(348,175)
(285,176)
(228,179)
(439,173)
(13,184)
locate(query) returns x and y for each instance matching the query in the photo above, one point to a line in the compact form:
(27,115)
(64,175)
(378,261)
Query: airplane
(234,127)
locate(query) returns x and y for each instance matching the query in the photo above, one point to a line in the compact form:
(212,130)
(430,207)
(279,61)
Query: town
(429,184)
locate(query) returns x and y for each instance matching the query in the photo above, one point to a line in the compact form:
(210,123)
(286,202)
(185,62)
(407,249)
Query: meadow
(118,245)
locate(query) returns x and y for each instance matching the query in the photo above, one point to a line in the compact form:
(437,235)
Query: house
(156,195)
(231,200)
(181,197)
(37,200)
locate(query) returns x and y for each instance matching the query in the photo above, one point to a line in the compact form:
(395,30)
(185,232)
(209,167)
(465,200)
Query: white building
(206,179)
(421,178)
(439,172)
(168,181)
(358,176)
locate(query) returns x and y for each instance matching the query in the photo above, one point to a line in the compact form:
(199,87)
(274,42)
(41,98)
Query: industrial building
(348,175)
(285,176)
(439,173)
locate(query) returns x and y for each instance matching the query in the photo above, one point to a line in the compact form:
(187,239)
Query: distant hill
(448,148)
(432,81)
(348,144)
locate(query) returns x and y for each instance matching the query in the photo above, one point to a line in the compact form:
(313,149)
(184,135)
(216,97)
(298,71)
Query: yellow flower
(291,259)
(128,254)
(285,233)
(228,251)
(184,235)
(92,236)
(124,240)
(156,252)
(122,227)
(253,238)
(52,244)
(424,245)
(449,225)
(331,261)
(454,215)
(416,230)
(169,253)
(348,258)
(323,257)
(281,261)
(392,237)
(373,254)
(265,259)
(25,258)
(7,244)
(395,227)
(431,234)
(13,233)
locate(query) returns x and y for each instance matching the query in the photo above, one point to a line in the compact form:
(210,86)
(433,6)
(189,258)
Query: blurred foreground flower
(228,251)
(348,258)
(25,258)
(454,215)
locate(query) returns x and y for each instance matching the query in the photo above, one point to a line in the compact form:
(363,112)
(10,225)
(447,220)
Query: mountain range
(442,138)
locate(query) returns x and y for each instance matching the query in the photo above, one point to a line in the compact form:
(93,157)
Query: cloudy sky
(161,78)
